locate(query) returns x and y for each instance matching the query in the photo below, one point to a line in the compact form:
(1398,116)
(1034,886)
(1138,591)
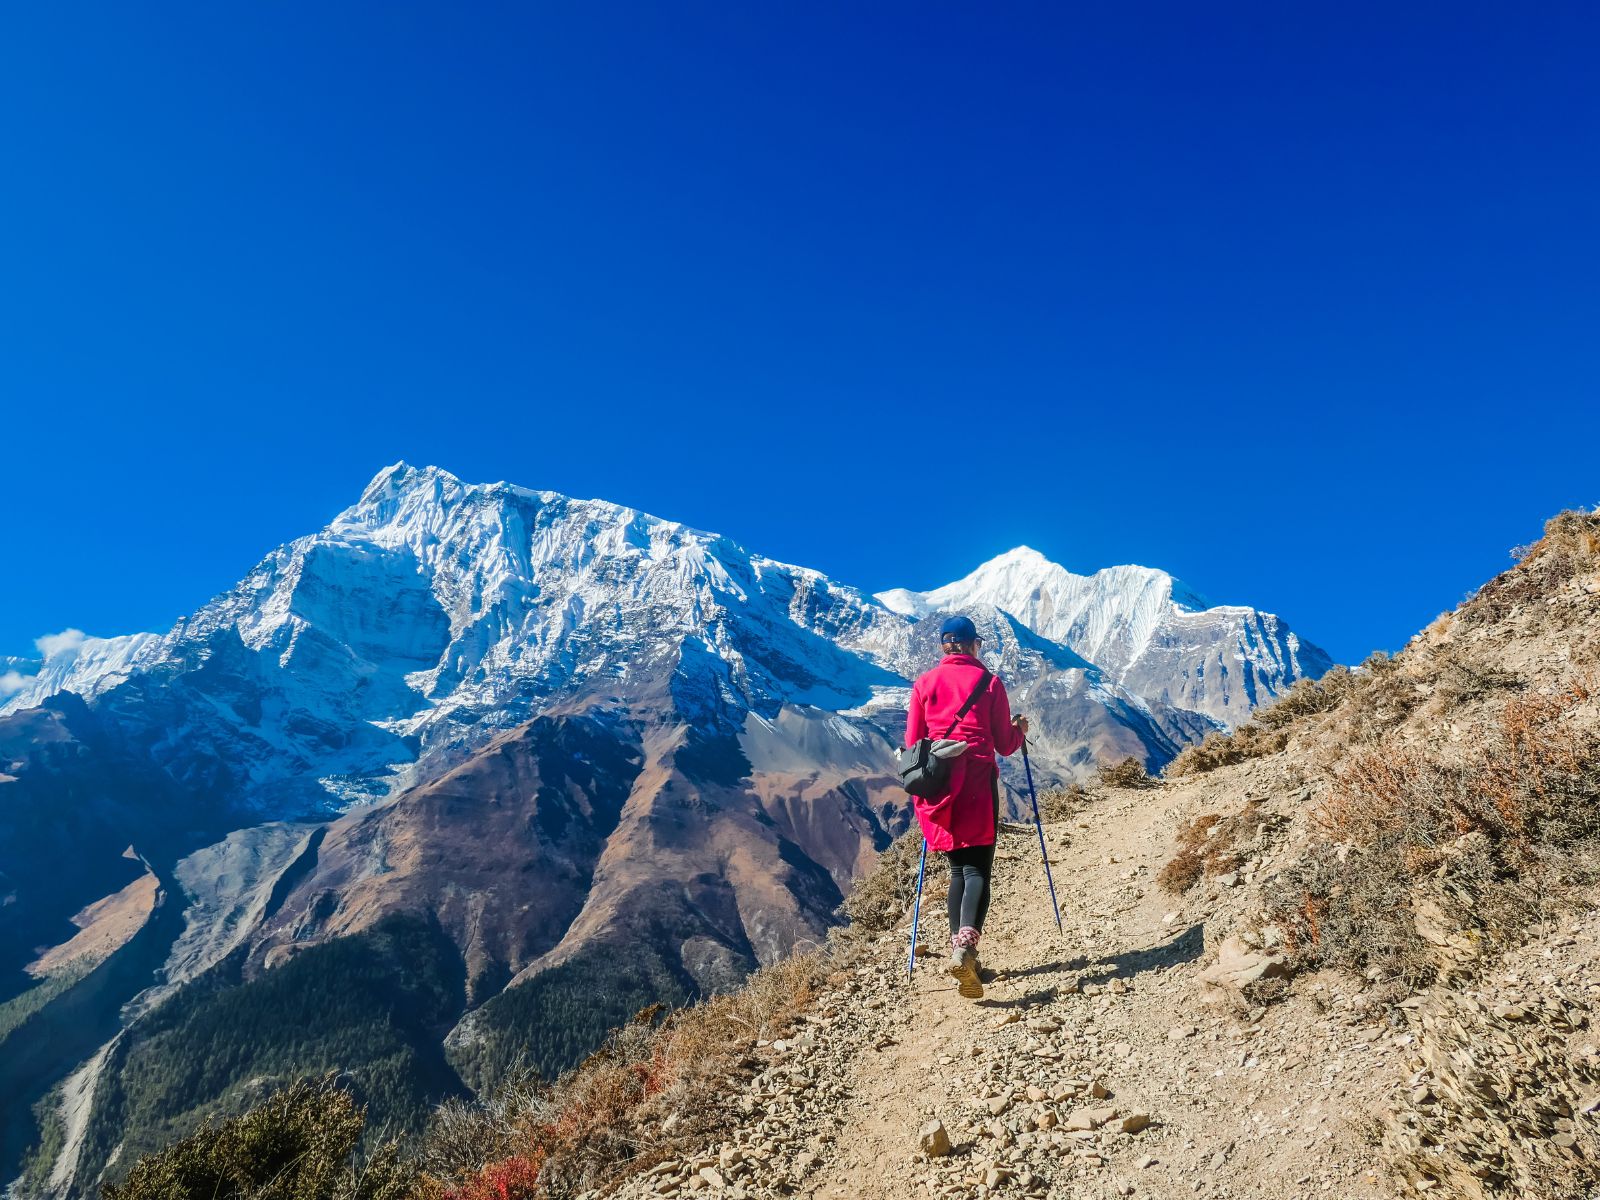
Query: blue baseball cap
(959,628)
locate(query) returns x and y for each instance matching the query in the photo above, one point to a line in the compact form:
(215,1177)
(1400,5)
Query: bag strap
(983,686)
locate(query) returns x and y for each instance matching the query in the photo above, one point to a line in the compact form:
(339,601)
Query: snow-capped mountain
(433,612)
(600,737)
(1146,630)
(1107,617)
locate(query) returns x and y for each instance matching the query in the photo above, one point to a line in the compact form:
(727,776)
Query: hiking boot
(964,966)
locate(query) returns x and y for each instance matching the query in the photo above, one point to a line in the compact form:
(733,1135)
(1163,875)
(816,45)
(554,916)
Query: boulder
(932,1140)
(1238,969)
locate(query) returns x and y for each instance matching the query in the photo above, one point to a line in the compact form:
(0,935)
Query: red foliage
(514,1178)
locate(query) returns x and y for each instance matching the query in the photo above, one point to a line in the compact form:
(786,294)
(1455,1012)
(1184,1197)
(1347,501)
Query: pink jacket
(965,816)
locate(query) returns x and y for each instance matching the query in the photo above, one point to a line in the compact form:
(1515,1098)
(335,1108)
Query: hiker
(962,823)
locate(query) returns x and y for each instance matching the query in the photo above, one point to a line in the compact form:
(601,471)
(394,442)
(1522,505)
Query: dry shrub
(1586,650)
(1462,680)
(1268,729)
(1570,546)
(1528,777)
(464,1136)
(1573,535)
(1210,845)
(1063,803)
(649,1089)
(1129,773)
(629,1105)
(882,897)
(1224,749)
(1186,867)
(1463,844)
(1383,694)
(1306,698)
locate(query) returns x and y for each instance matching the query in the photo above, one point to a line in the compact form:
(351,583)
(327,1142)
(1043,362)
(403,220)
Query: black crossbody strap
(983,686)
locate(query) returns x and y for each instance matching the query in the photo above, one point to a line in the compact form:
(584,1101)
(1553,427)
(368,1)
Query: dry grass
(1463,679)
(651,1090)
(1063,803)
(1427,854)
(1250,740)
(645,1094)
(882,897)
(1210,845)
(1527,777)
(1388,688)
(1306,698)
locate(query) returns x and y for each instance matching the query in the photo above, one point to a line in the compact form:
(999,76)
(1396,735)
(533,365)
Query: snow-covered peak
(1107,617)
(72,661)
(1143,628)
(459,603)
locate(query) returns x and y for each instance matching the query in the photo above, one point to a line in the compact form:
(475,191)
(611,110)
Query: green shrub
(299,1145)
(556,1019)
(14,1013)
(369,1006)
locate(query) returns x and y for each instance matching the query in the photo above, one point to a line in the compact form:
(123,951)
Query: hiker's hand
(1021,724)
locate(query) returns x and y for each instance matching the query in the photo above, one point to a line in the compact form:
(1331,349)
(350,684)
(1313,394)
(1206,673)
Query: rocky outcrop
(1503,1095)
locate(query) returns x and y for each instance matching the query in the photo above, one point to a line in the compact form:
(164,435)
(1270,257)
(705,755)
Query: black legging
(971,867)
(968,900)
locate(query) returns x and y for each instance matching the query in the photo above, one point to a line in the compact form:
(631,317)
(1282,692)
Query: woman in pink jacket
(962,823)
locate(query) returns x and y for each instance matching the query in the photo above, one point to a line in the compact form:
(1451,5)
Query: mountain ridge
(410,509)
(578,742)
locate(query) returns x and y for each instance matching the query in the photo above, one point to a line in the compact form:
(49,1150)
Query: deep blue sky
(1298,302)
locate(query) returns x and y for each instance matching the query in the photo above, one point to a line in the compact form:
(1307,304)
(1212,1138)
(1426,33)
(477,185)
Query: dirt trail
(1257,1106)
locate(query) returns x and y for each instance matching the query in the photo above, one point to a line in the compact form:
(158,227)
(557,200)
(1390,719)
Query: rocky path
(1089,1068)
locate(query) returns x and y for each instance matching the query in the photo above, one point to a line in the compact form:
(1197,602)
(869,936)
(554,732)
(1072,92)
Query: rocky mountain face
(602,757)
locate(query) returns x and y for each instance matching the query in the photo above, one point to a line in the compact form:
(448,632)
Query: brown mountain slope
(599,844)
(526,817)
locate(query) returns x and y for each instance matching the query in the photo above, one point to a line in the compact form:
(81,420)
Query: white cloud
(68,641)
(13,682)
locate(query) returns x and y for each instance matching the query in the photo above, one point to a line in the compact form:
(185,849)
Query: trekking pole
(916,910)
(1038,825)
